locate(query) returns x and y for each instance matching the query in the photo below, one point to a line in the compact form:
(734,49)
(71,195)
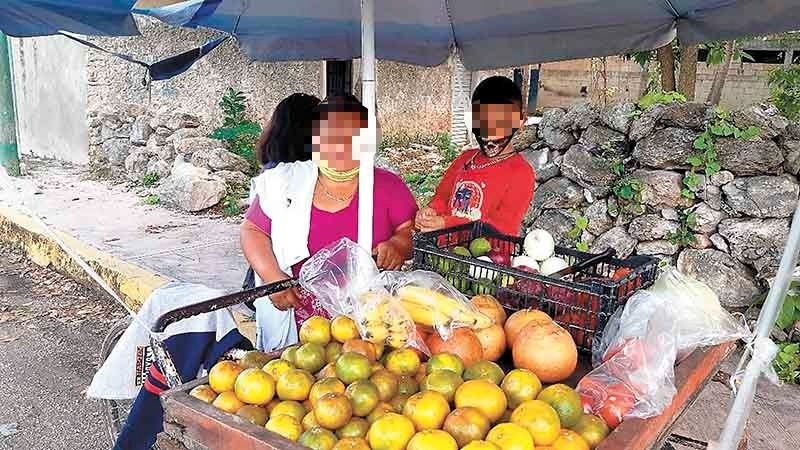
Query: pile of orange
(334,391)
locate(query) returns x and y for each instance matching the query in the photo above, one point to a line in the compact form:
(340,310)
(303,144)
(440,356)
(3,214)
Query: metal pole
(737,417)
(366,180)
(9,157)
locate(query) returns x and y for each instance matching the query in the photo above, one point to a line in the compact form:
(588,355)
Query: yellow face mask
(333,174)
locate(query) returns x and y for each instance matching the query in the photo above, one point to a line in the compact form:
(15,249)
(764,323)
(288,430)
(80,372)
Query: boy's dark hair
(341,103)
(497,90)
(287,137)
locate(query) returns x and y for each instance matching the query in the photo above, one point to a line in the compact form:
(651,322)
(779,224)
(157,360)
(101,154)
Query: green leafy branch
(787,362)
(237,131)
(784,86)
(684,236)
(628,191)
(576,233)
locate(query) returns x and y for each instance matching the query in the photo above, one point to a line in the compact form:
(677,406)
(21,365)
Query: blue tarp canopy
(27,18)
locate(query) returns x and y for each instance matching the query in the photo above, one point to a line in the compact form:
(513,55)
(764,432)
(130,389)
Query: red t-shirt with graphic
(496,193)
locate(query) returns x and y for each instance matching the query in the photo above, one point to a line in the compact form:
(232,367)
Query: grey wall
(50,89)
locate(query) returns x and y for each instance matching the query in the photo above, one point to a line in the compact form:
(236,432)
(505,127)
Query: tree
(688,71)
(666,61)
(721,74)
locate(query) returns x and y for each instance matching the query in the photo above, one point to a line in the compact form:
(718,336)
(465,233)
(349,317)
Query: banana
(425,314)
(434,308)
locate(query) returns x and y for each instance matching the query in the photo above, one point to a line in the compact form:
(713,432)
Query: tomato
(577,323)
(618,403)
(628,288)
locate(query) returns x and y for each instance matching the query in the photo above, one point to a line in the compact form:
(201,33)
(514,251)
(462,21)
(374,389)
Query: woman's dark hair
(341,103)
(287,137)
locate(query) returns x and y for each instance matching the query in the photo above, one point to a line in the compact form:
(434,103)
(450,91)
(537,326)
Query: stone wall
(742,212)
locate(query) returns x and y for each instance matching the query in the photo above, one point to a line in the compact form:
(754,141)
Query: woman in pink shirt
(334,209)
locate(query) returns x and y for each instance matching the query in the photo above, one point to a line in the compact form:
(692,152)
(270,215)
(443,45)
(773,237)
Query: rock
(651,227)
(616,238)
(657,248)
(762,196)
(604,140)
(757,242)
(188,146)
(793,131)
(701,241)
(180,120)
(184,133)
(707,218)
(525,137)
(719,242)
(791,155)
(721,178)
(550,129)
(694,116)
(749,157)
(557,222)
(381,163)
(588,171)
(712,195)
(235,180)
(796,331)
(666,149)
(670,214)
(764,116)
(191,188)
(661,188)
(618,116)
(166,153)
(140,131)
(136,164)
(732,281)
(644,125)
(558,193)
(219,159)
(543,163)
(116,150)
(162,131)
(580,115)
(122,131)
(599,220)
(158,167)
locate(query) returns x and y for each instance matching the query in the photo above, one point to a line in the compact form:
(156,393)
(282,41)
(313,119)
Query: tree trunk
(688,71)
(666,61)
(644,79)
(721,74)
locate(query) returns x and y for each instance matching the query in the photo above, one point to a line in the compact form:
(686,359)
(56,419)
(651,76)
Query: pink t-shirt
(394,205)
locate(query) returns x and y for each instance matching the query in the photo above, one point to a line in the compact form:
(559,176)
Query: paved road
(51,330)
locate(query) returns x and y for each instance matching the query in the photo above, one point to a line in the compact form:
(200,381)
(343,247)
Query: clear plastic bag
(635,357)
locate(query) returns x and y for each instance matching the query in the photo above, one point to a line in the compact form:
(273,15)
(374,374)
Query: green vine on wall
(576,233)
(684,235)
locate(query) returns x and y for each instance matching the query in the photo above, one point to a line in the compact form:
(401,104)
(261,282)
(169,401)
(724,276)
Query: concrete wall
(50,89)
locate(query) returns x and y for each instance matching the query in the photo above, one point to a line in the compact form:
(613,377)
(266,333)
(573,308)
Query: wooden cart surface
(190,424)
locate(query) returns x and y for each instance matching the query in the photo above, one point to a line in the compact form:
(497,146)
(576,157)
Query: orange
(357,427)
(379,348)
(289,353)
(223,375)
(253,414)
(376,366)
(361,347)
(351,367)
(407,386)
(510,436)
(277,367)
(592,429)
(310,357)
(352,443)
(333,411)
(445,382)
(325,386)
(295,385)
(404,361)
(343,329)
(379,411)
(427,410)
(466,425)
(399,403)
(329,371)
(332,351)
(227,402)
(483,395)
(485,370)
(445,361)
(286,426)
(570,440)
(316,329)
(390,432)
(520,385)
(272,404)
(421,372)
(309,421)
(363,396)
(480,445)
(432,440)
(289,408)
(203,393)
(318,438)
(565,401)
(540,419)
(386,382)
(254,386)
(254,360)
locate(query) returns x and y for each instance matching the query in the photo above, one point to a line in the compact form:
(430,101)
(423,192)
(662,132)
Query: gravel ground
(51,332)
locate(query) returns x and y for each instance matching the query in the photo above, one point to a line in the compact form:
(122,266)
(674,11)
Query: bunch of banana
(432,308)
(379,324)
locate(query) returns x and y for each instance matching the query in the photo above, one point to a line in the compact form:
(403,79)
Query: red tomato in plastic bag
(628,288)
(633,349)
(617,404)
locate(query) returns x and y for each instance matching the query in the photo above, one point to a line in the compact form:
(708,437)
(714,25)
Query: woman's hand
(389,255)
(285,299)
(428,222)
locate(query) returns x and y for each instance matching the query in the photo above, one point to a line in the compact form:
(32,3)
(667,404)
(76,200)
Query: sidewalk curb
(132,282)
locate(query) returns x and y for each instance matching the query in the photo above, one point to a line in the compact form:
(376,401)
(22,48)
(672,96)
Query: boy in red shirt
(492,183)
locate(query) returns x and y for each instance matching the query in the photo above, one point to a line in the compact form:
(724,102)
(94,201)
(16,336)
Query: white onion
(525,261)
(539,244)
(482,273)
(553,265)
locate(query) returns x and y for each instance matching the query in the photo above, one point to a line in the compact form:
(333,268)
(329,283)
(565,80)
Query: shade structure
(28,18)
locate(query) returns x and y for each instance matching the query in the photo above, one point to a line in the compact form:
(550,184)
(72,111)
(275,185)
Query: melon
(493,342)
(490,307)
(547,350)
(463,343)
(517,321)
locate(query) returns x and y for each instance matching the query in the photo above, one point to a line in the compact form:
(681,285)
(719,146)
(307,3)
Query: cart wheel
(115,412)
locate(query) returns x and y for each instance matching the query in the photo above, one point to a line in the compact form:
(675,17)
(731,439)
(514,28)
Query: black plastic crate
(581,303)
